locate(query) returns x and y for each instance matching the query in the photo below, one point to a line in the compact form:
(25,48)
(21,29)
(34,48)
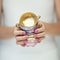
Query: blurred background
(57,39)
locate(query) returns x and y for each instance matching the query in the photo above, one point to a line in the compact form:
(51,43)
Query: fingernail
(24,45)
(23,33)
(27,37)
(38,40)
(36,31)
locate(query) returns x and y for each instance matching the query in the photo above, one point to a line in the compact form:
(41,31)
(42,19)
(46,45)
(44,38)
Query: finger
(41,29)
(38,40)
(20,32)
(21,38)
(39,35)
(17,31)
(16,28)
(21,43)
(42,38)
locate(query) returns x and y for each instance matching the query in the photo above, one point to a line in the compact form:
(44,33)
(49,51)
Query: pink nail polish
(36,30)
(23,45)
(23,33)
(27,37)
(38,40)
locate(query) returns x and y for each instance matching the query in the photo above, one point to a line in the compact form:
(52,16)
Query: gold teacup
(29,28)
(28,15)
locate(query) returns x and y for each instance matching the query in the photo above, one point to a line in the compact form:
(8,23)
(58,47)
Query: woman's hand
(40,33)
(21,36)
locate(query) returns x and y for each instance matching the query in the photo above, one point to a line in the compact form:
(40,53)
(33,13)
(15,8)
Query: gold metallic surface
(26,16)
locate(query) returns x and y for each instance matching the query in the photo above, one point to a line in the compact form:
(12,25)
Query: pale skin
(52,28)
(5,32)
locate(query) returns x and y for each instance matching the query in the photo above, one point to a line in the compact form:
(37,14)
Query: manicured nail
(38,40)
(27,37)
(36,31)
(23,33)
(23,45)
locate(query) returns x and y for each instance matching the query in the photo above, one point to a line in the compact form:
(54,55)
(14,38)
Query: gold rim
(28,15)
